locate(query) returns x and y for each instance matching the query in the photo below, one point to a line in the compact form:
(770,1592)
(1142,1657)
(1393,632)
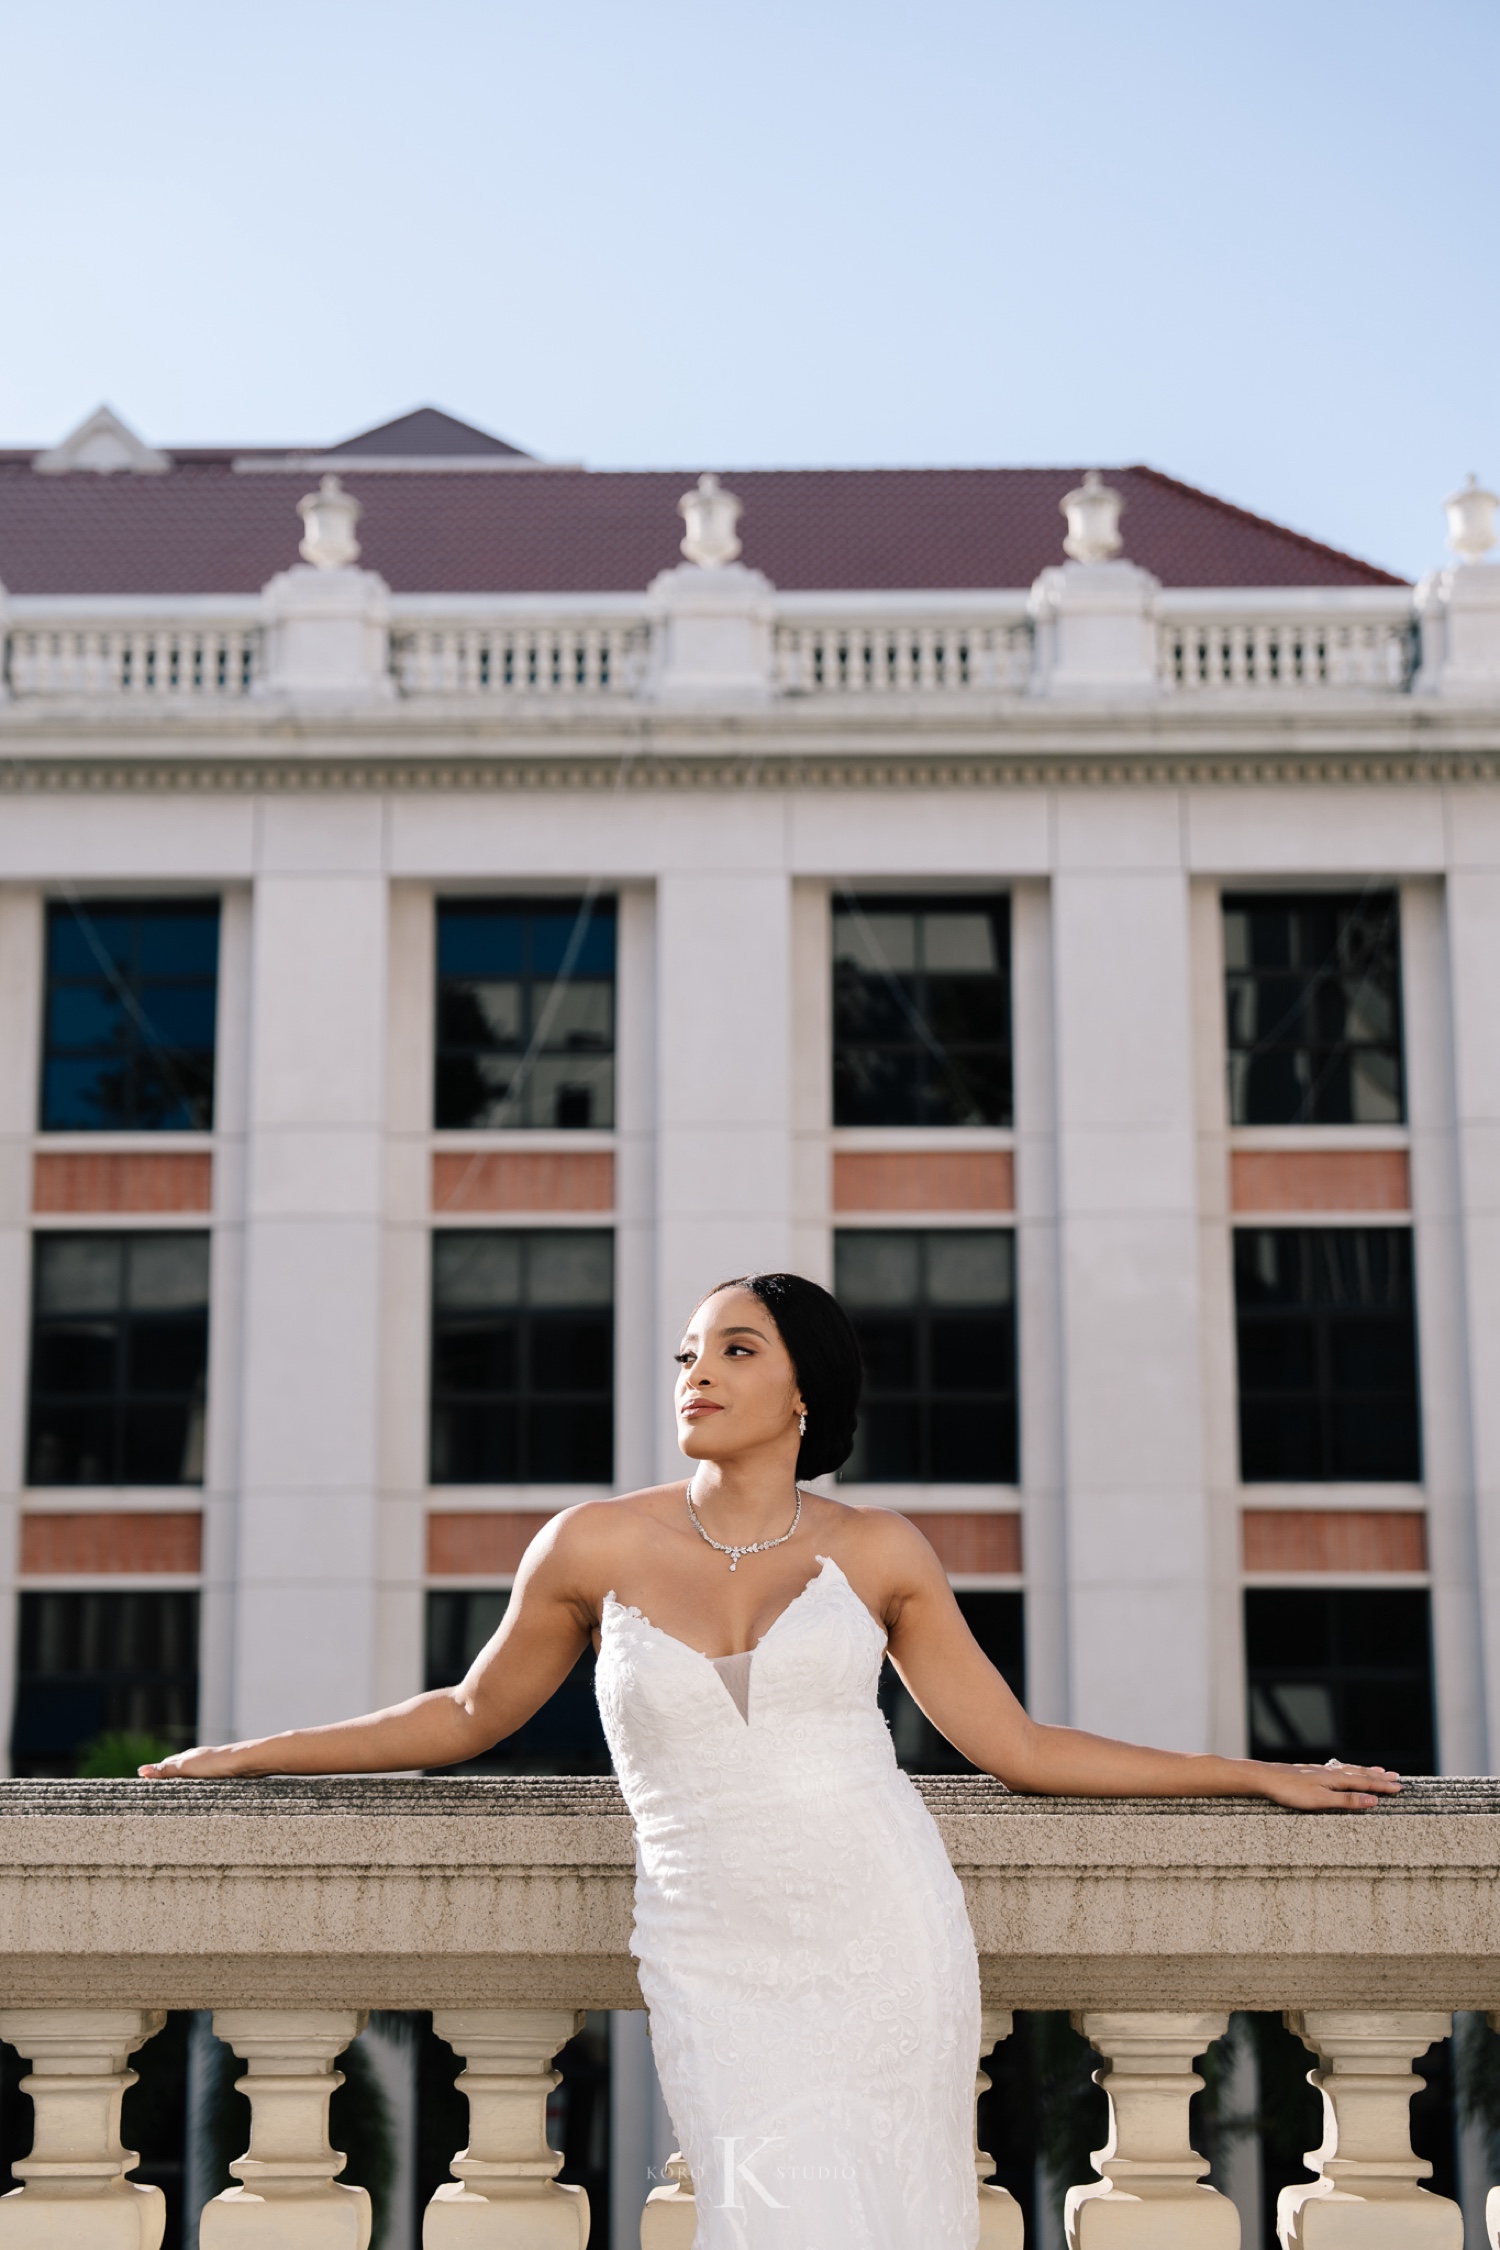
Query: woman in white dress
(803,1945)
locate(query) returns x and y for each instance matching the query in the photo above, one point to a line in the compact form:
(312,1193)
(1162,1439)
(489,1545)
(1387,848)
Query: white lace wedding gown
(803,1943)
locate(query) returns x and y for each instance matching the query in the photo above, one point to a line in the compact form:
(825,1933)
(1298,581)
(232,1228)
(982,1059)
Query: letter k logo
(737,2169)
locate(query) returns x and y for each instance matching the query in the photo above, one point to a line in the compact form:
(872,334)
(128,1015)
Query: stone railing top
(533,1797)
(413,1893)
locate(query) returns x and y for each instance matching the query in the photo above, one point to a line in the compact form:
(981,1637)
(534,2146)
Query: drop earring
(802,1423)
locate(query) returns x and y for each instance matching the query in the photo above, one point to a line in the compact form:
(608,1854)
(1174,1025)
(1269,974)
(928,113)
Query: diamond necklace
(756,1546)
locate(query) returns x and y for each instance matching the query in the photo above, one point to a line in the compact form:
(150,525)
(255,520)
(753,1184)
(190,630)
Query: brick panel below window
(967,1542)
(924,1180)
(476,1544)
(92,1543)
(123,1180)
(1320,1179)
(1352,1539)
(524,1180)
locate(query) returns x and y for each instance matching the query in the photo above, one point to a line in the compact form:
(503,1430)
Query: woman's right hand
(203,1763)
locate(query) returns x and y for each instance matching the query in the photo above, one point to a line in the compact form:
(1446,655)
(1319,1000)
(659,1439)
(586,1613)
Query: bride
(802,1940)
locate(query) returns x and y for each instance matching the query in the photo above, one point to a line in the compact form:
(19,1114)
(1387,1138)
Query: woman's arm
(544,1631)
(964,1696)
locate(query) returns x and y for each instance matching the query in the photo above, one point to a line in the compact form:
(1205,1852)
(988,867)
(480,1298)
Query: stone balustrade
(1302,642)
(521,656)
(83,653)
(290,1908)
(986,652)
(514,653)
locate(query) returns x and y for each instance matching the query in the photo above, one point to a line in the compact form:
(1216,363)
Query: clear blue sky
(1255,242)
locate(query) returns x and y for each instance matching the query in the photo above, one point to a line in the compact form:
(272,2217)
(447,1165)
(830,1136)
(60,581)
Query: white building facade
(425,970)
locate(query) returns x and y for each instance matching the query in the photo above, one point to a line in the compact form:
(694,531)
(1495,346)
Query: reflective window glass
(522,1356)
(94,1663)
(921,1011)
(934,1310)
(1327,1346)
(525,1013)
(1341,1673)
(119,1359)
(132,996)
(1312,991)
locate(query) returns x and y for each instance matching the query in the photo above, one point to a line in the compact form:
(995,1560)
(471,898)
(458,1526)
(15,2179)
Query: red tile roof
(206,528)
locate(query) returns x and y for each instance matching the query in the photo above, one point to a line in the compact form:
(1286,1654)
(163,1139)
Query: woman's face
(736,1385)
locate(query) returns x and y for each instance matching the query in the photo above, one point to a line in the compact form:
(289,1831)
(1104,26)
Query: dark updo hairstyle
(820,1338)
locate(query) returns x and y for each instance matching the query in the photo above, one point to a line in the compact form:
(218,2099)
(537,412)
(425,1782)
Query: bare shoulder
(579,1548)
(883,1551)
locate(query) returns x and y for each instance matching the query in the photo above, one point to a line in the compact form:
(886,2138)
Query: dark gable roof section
(427,431)
(202,528)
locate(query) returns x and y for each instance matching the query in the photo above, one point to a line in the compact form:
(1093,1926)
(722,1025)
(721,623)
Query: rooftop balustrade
(525,653)
(291,1908)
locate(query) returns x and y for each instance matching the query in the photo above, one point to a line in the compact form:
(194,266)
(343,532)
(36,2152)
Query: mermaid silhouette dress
(803,1944)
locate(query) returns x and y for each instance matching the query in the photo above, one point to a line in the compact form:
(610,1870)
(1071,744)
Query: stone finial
(710,514)
(1093,512)
(1471,520)
(330,515)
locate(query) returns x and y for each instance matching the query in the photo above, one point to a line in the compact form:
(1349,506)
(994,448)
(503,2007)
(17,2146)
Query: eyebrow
(759,1333)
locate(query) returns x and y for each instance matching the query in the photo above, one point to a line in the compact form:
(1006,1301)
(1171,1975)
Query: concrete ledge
(443,1892)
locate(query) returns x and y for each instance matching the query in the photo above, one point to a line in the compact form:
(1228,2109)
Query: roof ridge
(1224,507)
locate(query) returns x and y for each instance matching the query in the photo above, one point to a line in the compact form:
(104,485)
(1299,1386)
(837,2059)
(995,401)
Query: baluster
(1001,2226)
(504,2191)
(670,2218)
(289,2198)
(1149,2196)
(1367,2194)
(76,2195)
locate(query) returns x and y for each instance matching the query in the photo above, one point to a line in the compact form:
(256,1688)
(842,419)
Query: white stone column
(1001,2226)
(1135,1507)
(289,2197)
(22,976)
(77,2196)
(1473,934)
(1150,2195)
(310,1415)
(505,2194)
(724,1040)
(1367,2195)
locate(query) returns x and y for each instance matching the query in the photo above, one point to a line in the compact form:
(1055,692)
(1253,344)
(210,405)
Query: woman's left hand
(1331,1788)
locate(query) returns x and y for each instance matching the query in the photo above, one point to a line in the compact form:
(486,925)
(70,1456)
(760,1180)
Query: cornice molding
(643,770)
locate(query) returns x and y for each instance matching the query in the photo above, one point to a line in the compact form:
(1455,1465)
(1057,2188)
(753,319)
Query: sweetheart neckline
(817,1579)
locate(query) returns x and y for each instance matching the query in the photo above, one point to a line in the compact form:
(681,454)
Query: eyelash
(684,1359)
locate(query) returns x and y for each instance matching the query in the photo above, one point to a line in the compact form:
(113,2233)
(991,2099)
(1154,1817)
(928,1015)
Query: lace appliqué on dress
(803,1943)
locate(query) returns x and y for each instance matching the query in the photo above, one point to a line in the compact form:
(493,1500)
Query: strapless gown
(803,1944)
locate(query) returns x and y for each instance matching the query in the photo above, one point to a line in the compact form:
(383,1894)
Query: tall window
(1313,996)
(132,990)
(921,1011)
(100,1663)
(563,1737)
(934,1310)
(997,1620)
(119,1359)
(1345,1673)
(1327,1355)
(526,1013)
(523,1357)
